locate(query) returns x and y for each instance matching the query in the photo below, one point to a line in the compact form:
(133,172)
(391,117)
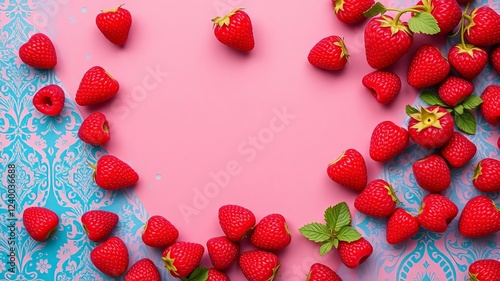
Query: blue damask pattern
(51,170)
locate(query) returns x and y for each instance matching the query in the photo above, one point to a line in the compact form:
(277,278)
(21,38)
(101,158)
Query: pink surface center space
(206,126)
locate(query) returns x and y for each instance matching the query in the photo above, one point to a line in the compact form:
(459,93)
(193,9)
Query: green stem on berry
(414,9)
(462,26)
(398,16)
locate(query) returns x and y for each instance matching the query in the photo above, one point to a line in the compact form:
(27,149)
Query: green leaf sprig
(420,22)
(462,112)
(337,227)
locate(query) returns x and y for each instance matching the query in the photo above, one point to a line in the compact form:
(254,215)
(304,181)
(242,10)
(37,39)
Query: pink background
(198,116)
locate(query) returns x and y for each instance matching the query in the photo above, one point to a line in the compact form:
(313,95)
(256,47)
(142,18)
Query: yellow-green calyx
(338,159)
(339,6)
(494,205)
(468,48)
(93,167)
(473,277)
(477,172)
(109,75)
(168,262)
(427,118)
(421,209)
(275,272)
(112,10)
(395,24)
(286,229)
(225,20)
(342,46)
(428,7)
(470,19)
(51,232)
(392,193)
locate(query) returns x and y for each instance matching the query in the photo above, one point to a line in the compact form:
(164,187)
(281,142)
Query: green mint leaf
(377,8)
(331,216)
(459,109)
(338,216)
(432,99)
(316,232)
(423,22)
(472,102)
(325,247)
(348,234)
(466,122)
(410,110)
(335,243)
(199,274)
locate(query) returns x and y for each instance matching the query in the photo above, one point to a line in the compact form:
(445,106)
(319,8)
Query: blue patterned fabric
(51,170)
